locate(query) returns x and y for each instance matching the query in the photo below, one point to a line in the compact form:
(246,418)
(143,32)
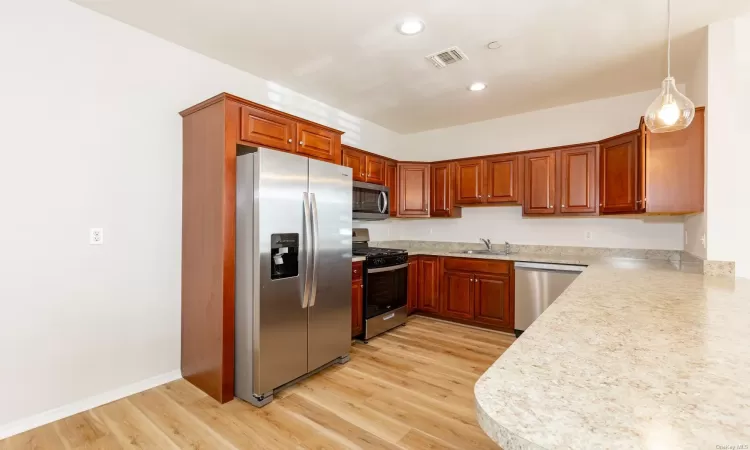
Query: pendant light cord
(669,38)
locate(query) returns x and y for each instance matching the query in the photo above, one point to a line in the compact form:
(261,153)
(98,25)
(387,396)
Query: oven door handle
(388,269)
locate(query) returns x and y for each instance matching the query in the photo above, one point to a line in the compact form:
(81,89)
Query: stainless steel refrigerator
(293,270)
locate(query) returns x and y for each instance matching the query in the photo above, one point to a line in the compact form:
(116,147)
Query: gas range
(381,257)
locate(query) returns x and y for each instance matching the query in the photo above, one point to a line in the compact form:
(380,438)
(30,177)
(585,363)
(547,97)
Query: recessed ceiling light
(410,27)
(494,45)
(477,86)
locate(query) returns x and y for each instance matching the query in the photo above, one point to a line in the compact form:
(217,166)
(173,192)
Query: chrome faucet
(507,248)
(487,243)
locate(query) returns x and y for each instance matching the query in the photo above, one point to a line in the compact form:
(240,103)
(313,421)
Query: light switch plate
(96,236)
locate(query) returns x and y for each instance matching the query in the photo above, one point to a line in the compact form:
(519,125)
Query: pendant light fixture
(671,111)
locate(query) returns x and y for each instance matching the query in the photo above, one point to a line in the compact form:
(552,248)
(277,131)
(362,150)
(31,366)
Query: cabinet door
(501,174)
(539,183)
(318,143)
(413,190)
(674,172)
(441,201)
(267,129)
(493,301)
(428,295)
(391,169)
(458,295)
(618,174)
(374,170)
(356,160)
(357,316)
(469,182)
(578,180)
(412,282)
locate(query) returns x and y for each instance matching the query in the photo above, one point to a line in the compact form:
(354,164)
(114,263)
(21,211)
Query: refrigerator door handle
(316,248)
(308,249)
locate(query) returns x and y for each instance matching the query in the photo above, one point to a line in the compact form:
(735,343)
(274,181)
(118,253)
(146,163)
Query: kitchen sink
(483,252)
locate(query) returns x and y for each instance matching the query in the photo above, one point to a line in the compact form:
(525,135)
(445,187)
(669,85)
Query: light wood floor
(411,388)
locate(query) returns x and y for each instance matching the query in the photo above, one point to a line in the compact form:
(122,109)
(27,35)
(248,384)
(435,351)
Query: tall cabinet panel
(539,183)
(413,190)
(578,180)
(469,181)
(618,177)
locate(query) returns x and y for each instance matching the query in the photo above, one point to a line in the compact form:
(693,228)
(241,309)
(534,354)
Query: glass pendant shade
(671,111)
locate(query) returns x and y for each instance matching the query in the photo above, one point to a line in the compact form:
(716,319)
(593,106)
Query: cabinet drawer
(477,265)
(357,270)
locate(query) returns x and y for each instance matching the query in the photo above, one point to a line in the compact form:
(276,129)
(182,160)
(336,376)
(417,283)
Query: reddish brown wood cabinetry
(539,183)
(501,175)
(413,190)
(429,276)
(457,295)
(356,160)
(618,175)
(469,181)
(391,180)
(578,185)
(374,170)
(674,169)
(318,143)
(441,191)
(267,129)
(492,300)
(357,300)
(412,281)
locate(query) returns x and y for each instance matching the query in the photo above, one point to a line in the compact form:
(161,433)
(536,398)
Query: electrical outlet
(703,240)
(588,235)
(96,236)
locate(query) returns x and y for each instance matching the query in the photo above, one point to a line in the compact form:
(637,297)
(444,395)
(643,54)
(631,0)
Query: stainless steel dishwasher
(537,286)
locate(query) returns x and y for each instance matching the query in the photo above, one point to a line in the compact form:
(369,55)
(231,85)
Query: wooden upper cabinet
(428,292)
(458,295)
(318,143)
(441,191)
(413,190)
(356,160)
(493,304)
(267,129)
(618,175)
(469,181)
(374,169)
(539,183)
(674,172)
(501,175)
(578,187)
(391,181)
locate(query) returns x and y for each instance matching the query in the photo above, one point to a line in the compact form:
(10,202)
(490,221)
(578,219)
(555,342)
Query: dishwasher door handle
(550,267)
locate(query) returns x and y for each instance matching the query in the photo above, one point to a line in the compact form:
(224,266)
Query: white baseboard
(19,426)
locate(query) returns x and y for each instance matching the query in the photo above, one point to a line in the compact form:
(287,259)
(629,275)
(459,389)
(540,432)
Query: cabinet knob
(550,206)
(301,143)
(361,285)
(563,206)
(290,140)
(355,271)
(601,204)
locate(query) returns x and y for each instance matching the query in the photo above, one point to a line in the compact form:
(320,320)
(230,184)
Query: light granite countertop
(357,258)
(629,356)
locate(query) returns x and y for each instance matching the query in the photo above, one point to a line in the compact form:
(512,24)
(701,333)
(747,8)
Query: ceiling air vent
(448,56)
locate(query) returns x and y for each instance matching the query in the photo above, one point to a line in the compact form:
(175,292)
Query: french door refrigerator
(293,270)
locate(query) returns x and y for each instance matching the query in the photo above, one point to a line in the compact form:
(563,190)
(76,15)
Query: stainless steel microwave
(370,201)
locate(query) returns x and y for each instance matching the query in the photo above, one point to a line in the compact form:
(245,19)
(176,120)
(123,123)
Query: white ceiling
(348,54)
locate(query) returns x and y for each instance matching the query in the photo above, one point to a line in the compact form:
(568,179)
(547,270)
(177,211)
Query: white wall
(742,145)
(91,137)
(581,122)
(697,91)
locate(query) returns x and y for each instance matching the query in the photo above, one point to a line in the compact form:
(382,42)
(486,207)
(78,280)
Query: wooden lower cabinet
(492,300)
(428,293)
(412,283)
(457,295)
(357,300)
